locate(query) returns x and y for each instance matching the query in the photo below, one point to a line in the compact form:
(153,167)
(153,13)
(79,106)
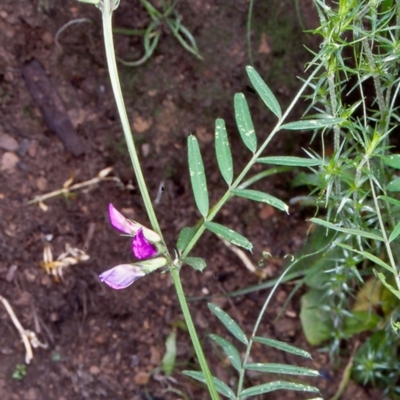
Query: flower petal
(119,222)
(141,247)
(121,276)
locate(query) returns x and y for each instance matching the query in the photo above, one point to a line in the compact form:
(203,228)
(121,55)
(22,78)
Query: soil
(101,343)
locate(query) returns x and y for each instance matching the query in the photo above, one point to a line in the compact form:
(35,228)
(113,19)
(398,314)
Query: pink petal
(118,221)
(121,276)
(141,247)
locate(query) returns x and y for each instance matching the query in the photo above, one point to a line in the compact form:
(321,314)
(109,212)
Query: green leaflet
(185,236)
(392,160)
(311,124)
(262,198)
(195,262)
(223,151)
(389,200)
(168,361)
(282,346)
(273,368)
(278,385)
(229,323)
(388,286)
(264,91)
(229,350)
(395,233)
(316,322)
(220,386)
(229,234)
(197,176)
(244,122)
(290,161)
(394,185)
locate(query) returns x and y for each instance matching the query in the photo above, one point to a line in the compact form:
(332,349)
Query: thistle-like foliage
(355,287)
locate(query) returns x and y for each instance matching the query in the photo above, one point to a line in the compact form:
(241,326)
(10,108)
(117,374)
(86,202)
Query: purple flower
(141,247)
(122,224)
(122,276)
(119,222)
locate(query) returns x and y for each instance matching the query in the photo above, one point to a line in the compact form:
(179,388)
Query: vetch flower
(122,276)
(122,224)
(119,222)
(141,247)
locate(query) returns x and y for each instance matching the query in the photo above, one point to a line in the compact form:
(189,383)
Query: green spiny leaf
(356,232)
(369,256)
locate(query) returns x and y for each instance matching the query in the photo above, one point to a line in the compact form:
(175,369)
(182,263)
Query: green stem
(193,334)
(116,86)
(248,31)
(112,66)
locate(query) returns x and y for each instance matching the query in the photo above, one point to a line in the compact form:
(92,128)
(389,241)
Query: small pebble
(23,147)
(8,143)
(94,370)
(32,149)
(8,161)
(41,183)
(141,378)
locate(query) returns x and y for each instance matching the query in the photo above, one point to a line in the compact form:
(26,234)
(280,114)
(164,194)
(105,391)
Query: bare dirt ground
(108,344)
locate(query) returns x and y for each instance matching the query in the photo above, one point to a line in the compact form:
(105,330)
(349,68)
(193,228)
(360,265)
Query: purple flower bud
(121,276)
(141,247)
(119,222)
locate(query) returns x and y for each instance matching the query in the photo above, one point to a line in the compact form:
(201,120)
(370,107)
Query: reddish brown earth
(108,344)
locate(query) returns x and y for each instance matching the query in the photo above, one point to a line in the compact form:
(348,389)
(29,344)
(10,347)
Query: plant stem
(112,66)
(116,87)
(248,31)
(193,334)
